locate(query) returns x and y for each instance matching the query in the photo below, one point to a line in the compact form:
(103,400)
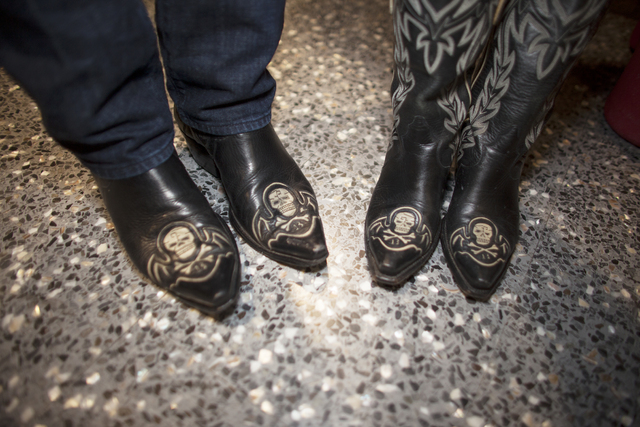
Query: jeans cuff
(231,129)
(134,168)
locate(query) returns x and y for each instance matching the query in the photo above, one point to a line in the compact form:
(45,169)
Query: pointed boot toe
(397,245)
(312,247)
(286,223)
(198,264)
(403,219)
(173,237)
(478,255)
(480,233)
(272,205)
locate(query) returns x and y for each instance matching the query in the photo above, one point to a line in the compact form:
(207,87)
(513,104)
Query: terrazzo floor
(86,342)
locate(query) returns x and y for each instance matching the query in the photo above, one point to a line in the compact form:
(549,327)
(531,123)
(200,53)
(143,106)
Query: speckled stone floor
(84,341)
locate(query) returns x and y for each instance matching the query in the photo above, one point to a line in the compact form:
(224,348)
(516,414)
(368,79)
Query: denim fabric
(93,68)
(216,53)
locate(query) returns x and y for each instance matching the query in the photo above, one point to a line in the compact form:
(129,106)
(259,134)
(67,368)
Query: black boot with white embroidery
(533,49)
(436,43)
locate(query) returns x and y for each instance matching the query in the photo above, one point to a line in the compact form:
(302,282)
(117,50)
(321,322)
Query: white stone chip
(475,421)
(279,348)
(12,405)
(458,320)
(255,366)
(528,420)
(386,371)
(365,286)
(257,394)
(142,375)
(404,361)
(387,388)
(111,407)
(427,337)
(27,414)
(399,336)
(331,339)
(290,332)
(306,411)
(93,378)
(88,401)
(73,402)
(54,393)
(370,319)
(355,401)
(13,382)
(13,323)
(267,407)
(364,304)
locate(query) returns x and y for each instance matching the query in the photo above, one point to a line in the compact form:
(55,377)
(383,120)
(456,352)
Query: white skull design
(483,234)
(181,242)
(403,222)
(282,200)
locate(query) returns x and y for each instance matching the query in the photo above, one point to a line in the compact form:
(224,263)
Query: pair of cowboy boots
(473,84)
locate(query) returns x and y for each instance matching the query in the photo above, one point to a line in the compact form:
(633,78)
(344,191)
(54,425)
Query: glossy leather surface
(533,49)
(403,219)
(429,102)
(173,237)
(272,205)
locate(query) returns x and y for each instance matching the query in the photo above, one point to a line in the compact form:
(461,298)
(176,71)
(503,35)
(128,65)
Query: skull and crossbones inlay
(187,254)
(401,230)
(282,201)
(181,242)
(285,213)
(481,241)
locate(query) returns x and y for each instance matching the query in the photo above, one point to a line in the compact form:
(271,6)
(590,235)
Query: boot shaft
(436,43)
(533,49)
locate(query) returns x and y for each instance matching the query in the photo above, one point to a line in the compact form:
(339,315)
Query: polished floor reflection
(85,342)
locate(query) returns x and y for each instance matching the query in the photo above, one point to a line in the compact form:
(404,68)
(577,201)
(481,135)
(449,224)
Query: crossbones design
(187,254)
(285,213)
(401,230)
(481,241)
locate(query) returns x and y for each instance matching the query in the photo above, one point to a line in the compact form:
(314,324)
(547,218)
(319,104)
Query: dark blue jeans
(93,68)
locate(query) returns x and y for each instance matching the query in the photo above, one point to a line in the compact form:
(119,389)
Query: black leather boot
(173,237)
(436,42)
(272,205)
(533,49)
